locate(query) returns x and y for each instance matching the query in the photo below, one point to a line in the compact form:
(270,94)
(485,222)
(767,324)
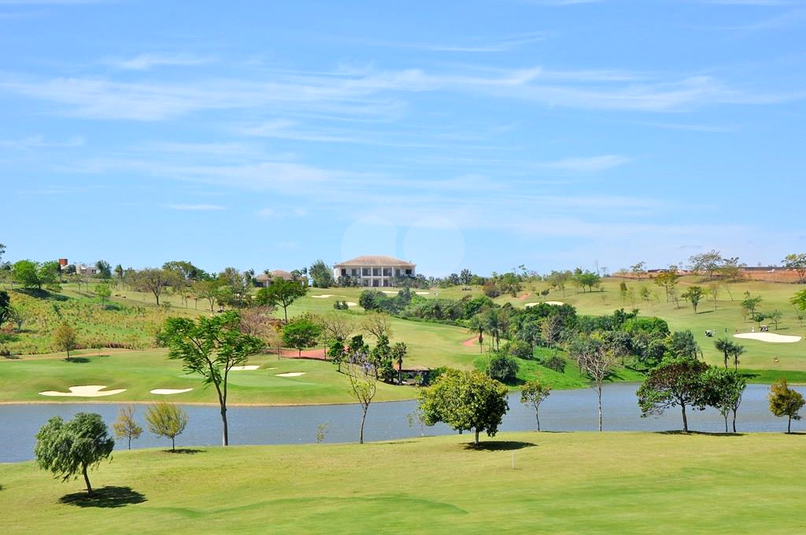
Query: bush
(554,362)
(503,368)
(520,349)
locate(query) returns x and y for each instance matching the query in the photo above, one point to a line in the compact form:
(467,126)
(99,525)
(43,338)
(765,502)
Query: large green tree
(301,333)
(154,280)
(321,275)
(675,382)
(723,391)
(281,292)
(785,401)
(5,307)
(465,401)
(34,274)
(65,338)
(72,448)
(210,347)
(694,295)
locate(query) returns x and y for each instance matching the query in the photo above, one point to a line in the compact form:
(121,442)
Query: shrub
(554,362)
(520,349)
(503,368)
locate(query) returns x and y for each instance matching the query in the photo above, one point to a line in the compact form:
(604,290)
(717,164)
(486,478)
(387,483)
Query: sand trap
(323,296)
(86,391)
(555,303)
(769,337)
(422,293)
(351,304)
(169,391)
(530,305)
(290,374)
(390,292)
(250,368)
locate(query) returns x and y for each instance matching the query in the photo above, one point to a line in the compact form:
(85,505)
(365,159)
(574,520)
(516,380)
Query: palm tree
(496,321)
(477,324)
(725,346)
(736,350)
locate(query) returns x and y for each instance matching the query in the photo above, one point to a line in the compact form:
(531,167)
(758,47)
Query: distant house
(266,279)
(374,271)
(84,269)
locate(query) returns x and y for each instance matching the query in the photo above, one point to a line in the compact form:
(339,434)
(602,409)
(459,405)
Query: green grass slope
(561,483)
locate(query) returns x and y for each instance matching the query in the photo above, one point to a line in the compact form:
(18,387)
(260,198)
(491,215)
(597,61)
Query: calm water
(569,410)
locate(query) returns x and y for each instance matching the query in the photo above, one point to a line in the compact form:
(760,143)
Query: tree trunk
(685,421)
(477,437)
(225,434)
(130,442)
(173,443)
(734,420)
(599,395)
(726,422)
(86,479)
(361,430)
(789,425)
(537,417)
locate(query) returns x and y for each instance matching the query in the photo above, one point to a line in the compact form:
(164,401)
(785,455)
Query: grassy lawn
(562,482)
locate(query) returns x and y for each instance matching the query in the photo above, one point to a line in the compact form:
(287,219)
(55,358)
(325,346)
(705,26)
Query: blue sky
(485,135)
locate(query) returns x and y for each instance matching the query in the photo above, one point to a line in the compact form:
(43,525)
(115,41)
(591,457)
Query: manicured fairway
(562,482)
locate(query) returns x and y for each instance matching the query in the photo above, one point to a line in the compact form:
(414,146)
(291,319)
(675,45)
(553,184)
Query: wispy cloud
(38,142)
(499,45)
(588,165)
(196,207)
(146,61)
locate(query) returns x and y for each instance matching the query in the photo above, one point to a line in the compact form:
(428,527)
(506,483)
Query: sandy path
(85,391)
(769,337)
(249,368)
(290,374)
(323,296)
(471,342)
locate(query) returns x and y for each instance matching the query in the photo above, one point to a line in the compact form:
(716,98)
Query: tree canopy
(34,274)
(210,347)
(281,292)
(465,401)
(676,382)
(785,401)
(72,448)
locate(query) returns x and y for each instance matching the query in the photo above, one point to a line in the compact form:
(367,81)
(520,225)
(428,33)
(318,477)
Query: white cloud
(146,61)
(588,165)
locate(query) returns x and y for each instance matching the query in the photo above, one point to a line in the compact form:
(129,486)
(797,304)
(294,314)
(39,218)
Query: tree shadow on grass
(106,497)
(504,445)
(184,451)
(78,360)
(703,433)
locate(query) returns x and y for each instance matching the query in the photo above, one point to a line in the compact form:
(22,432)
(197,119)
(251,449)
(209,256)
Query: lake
(564,410)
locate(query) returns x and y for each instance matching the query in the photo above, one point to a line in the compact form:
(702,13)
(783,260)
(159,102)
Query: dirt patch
(524,297)
(471,342)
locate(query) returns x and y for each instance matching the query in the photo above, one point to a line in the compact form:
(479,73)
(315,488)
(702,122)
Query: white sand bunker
(769,337)
(351,304)
(250,368)
(422,293)
(323,296)
(290,374)
(86,391)
(169,391)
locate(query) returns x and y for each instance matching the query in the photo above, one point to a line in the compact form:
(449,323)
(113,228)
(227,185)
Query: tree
(103,291)
(638,270)
(281,292)
(668,279)
(210,347)
(594,360)
(119,274)
(377,324)
(749,304)
(103,269)
(67,449)
(785,401)
(706,263)
(167,420)
(729,349)
(675,382)
(694,295)
(588,279)
(798,263)
(477,325)
(33,274)
(799,301)
(682,344)
(497,323)
(301,334)
(398,353)
(363,377)
(126,426)
(775,316)
(186,270)
(5,307)
(154,281)
(534,393)
(465,401)
(502,367)
(65,338)
(321,275)
(723,391)
(336,326)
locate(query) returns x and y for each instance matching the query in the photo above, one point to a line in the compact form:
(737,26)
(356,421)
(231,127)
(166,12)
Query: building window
(376,283)
(408,272)
(366,272)
(376,272)
(355,272)
(365,282)
(386,283)
(343,272)
(387,272)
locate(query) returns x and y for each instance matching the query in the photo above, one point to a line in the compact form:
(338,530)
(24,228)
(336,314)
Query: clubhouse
(374,271)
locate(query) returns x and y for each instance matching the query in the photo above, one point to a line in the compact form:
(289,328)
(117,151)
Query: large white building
(374,271)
